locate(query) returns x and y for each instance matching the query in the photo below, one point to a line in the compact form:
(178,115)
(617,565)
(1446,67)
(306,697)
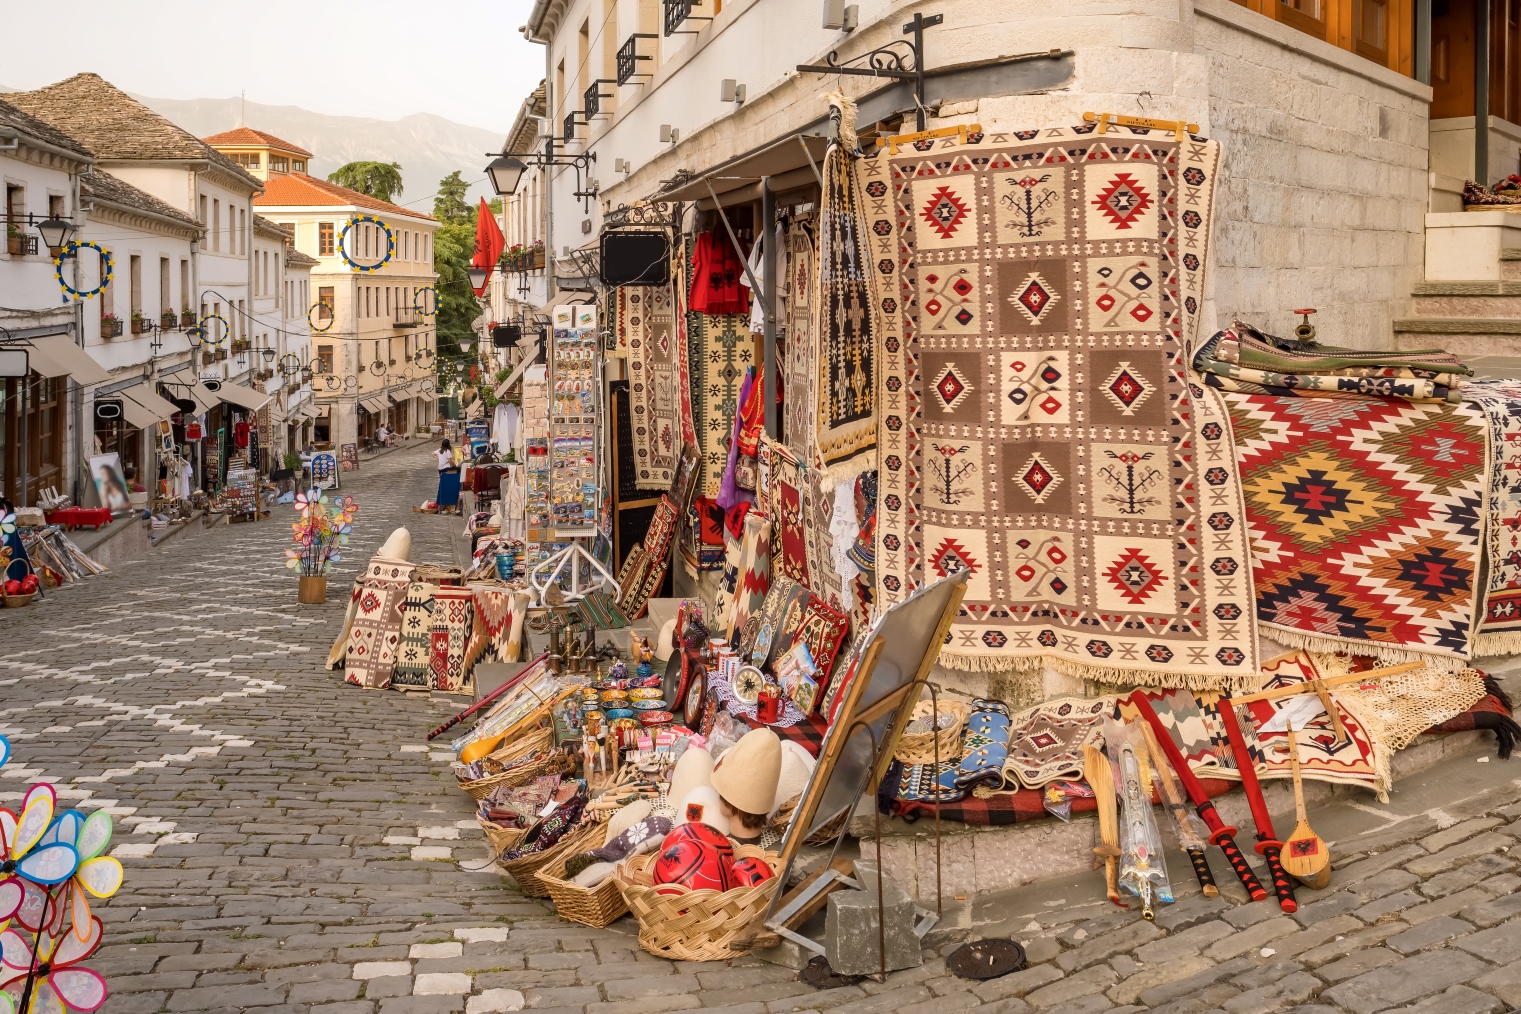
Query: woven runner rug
(1046,741)
(415,647)
(1034,293)
(646,319)
(802,512)
(754,578)
(845,346)
(1366,522)
(721,349)
(798,374)
(1193,721)
(492,624)
(371,650)
(1500,615)
(335,654)
(453,620)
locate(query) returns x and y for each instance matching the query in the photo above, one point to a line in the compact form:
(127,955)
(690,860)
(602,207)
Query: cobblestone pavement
(292,845)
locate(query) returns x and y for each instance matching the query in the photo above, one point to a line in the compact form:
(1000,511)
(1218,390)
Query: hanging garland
(343,237)
(206,332)
(433,298)
(332,318)
(107,268)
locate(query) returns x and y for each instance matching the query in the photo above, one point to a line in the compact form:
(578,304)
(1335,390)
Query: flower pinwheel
(47,974)
(8,524)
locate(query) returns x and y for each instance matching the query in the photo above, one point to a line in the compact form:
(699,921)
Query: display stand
(548,572)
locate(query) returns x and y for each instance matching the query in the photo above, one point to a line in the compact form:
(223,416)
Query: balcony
(592,100)
(677,12)
(628,57)
(21,245)
(187,318)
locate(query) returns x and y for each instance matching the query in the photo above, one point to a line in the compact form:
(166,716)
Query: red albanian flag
(489,243)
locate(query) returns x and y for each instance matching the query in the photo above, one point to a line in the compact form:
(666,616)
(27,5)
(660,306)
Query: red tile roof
(242,136)
(299,190)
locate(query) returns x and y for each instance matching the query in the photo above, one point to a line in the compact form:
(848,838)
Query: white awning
(476,410)
(243,397)
(427,396)
(141,400)
(308,410)
(374,403)
(204,399)
(56,355)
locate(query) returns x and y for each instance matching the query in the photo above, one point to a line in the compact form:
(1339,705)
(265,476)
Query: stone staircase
(1470,304)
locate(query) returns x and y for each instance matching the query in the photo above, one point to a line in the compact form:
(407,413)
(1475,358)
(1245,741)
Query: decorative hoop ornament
(427,386)
(331,382)
(343,251)
(423,356)
(107,268)
(206,332)
(433,300)
(289,365)
(378,368)
(350,382)
(330,321)
(317,366)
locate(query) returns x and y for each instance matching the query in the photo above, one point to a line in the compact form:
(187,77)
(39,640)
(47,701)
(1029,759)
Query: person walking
(447,497)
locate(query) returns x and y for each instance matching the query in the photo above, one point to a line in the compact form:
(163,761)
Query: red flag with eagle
(489,243)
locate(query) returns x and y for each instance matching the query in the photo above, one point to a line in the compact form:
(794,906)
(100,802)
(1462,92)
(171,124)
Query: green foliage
(380,180)
(450,206)
(292,460)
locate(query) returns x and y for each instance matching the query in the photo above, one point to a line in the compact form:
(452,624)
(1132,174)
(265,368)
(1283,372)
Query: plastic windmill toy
(321,532)
(50,867)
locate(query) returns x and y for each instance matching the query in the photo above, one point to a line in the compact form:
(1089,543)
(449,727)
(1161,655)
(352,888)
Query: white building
(281,341)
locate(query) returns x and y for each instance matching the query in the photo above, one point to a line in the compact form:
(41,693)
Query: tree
(450,205)
(380,180)
(453,245)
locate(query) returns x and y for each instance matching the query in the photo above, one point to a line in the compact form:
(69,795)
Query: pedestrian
(447,497)
(383,436)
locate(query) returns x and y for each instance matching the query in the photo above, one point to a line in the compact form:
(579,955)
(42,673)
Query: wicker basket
(590,906)
(17,601)
(525,871)
(687,925)
(502,838)
(522,775)
(919,747)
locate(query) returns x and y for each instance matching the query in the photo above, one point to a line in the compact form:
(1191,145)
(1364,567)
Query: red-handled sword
(1268,845)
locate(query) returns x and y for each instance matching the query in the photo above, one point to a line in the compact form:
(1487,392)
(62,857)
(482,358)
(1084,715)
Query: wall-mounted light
(841,16)
(622,165)
(730,90)
(669,134)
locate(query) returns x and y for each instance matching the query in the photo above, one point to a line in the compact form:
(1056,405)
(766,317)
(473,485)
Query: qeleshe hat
(398,546)
(746,776)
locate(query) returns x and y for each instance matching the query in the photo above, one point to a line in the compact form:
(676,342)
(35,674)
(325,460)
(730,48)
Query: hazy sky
(461,59)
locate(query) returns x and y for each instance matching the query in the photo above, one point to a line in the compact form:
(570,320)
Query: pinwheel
(8,524)
(292,559)
(53,983)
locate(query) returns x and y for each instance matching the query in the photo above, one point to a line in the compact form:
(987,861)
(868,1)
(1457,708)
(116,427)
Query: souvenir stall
(964,515)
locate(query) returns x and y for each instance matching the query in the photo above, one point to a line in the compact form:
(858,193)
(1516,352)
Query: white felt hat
(663,647)
(747,775)
(700,806)
(797,769)
(693,768)
(398,546)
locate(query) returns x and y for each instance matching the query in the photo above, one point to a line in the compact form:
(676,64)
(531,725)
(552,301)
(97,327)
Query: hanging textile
(754,577)
(845,345)
(797,370)
(1499,630)
(680,268)
(415,648)
(1038,418)
(645,320)
(371,651)
(721,347)
(716,277)
(803,513)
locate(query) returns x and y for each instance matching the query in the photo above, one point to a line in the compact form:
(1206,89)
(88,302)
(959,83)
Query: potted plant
(187,318)
(110,325)
(15,243)
(207,358)
(538,253)
(168,321)
(139,323)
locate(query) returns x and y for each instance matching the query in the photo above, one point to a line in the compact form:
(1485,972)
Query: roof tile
(246,136)
(293,190)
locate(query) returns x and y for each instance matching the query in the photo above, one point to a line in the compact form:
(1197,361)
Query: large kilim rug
(721,348)
(646,321)
(797,375)
(802,512)
(415,648)
(845,346)
(1500,617)
(1366,522)
(370,653)
(1034,292)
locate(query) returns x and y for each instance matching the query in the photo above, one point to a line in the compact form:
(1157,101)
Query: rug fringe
(847,109)
(1391,654)
(844,471)
(1120,676)
(1502,643)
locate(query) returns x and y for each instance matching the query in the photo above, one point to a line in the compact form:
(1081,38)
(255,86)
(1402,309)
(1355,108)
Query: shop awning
(56,355)
(139,401)
(774,159)
(427,396)
(374,404)
(243,397)
(205,400)
(529,358)
(476,410)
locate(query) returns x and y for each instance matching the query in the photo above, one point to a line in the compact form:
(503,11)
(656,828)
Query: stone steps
(1471,319)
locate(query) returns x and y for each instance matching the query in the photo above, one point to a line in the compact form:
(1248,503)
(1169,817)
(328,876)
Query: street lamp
(505,172)
(55,232)
(478,277)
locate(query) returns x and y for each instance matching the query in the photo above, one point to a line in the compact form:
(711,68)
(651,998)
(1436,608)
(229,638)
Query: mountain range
(427,147)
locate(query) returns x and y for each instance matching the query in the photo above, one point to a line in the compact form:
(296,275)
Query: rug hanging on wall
(1366,522)
(798,374)
(802,511)
(415,648)
(754,578)
(1500,615)
(1034,293)
(453,621)
(721,349)
(371,651)
(646,320)
(844,340)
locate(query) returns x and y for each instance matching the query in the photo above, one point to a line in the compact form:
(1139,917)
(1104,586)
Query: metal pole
(770,261)
(26,382)
(1481,92)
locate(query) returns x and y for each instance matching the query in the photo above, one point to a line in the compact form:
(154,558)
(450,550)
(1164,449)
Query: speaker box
(634,257)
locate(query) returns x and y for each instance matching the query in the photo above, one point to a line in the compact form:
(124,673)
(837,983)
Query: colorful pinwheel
(47,977)
(8,524)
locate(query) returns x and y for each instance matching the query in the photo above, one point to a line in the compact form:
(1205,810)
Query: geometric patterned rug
(1500,623)
(646,324)
(370,652)
(1366,522)
(1033,296)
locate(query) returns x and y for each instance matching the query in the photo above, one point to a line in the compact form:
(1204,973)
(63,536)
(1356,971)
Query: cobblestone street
(292,844)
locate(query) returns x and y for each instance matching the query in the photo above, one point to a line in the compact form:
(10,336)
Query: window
(290,232)
(184,283)
(325,357)
(325,303)
(388,301)
(216,225)
(367,291)
(298,165)
(135,283)
(204,220)
(428,247)
(1371,25)
(15,210)
(1306,15)
(278,164)
(324,239)
(242,228)
(56,208)
(241,319)
(390,351)
(165,299)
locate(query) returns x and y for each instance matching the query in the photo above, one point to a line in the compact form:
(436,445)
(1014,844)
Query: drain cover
(986,959)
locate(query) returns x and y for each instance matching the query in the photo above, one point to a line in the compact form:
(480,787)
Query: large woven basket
(590,906)
(502,838)
(919,747)
(540,739)
(688,925)
(525,871)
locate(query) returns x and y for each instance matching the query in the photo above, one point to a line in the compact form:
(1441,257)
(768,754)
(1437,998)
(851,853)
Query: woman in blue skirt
(448,479)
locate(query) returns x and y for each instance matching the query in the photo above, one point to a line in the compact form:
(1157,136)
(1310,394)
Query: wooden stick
(1325,702)
(1100,777)
(1334,681)
(1176,126)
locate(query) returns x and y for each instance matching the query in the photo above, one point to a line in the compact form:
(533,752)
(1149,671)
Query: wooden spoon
(1304,855)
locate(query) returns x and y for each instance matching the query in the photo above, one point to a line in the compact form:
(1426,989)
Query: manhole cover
(986,959)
